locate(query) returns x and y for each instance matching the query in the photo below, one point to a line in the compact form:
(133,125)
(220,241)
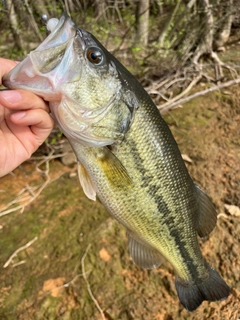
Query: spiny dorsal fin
(142,254)
(86,182)
(207,214)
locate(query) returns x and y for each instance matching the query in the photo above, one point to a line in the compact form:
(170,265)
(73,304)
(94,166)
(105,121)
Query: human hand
(24,123)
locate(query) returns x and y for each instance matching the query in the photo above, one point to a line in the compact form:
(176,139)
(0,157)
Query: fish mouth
(45,68)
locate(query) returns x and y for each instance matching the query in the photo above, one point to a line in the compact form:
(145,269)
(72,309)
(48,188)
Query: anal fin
(143,254)
(207,214)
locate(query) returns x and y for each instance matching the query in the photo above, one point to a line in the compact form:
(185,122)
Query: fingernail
(18,115)
(11,96)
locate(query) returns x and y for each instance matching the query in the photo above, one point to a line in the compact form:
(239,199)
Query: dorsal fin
(207,214)
(142,254)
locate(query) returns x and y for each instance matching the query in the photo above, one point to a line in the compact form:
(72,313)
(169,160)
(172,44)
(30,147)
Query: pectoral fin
(114,170)
(207,214)
(142,254)
(86,182)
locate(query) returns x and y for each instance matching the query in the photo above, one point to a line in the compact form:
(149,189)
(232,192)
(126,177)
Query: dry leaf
(104,255)
(55,286)
(232,210)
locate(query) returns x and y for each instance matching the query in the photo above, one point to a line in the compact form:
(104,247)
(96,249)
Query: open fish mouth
(49,62)
(64,70)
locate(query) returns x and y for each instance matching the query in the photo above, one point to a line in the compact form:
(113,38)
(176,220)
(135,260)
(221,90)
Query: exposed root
(169,103)
(219,65)
(174,102)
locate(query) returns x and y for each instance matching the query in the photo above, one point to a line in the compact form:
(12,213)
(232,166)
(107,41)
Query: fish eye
(95,56)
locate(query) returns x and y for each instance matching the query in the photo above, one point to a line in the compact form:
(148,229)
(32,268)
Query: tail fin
(212,288)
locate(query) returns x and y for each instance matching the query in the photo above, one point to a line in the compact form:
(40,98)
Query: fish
(127,155)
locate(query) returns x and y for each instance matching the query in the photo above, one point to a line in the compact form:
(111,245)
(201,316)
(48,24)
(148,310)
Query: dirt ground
(77,265)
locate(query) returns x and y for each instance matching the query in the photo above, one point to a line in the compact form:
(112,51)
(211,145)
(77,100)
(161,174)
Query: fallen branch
(28,199)
(60,155)
(15,253)
(168,104)
(32,192)
(172,103)
(18,263)
(88,285)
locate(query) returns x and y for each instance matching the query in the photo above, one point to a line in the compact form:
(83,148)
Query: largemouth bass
(127,155)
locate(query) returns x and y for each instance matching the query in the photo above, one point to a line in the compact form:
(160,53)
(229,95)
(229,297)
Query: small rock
(69,158)
(72,174)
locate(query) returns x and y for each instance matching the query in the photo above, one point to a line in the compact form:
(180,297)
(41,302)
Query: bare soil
(80,248)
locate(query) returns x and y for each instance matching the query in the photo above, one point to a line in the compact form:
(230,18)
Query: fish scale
(127,155)
(157,180)
(156,222)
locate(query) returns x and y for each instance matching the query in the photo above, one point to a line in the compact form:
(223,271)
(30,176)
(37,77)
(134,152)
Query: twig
(88,285)
(33,195)
(18,263)
(168,105)
(158,93)
(65,285)
(174,81)
(172,103)
(22,207)
(17,251)
(156,85)
(60,155)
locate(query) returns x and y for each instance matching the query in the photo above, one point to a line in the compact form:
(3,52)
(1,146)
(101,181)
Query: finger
(22,99)
(37,118)
(6,66)
(39,122)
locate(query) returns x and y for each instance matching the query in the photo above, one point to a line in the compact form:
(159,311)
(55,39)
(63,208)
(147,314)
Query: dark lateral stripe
(166,215)
(167,218)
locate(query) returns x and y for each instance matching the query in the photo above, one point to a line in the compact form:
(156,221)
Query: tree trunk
(71,6)
(198,33)
(168,23)
(223,32)
(32,20)
(100,9)
(205,36)
(142,19)
(14,24)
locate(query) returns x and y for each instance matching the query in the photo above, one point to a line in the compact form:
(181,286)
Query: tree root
(176,101)
(219,65)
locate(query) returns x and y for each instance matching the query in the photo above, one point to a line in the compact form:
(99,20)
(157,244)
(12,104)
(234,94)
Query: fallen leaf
(55,286)
(104,255)
(232,210)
